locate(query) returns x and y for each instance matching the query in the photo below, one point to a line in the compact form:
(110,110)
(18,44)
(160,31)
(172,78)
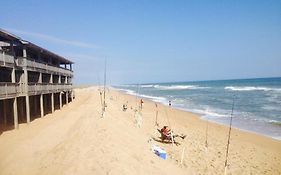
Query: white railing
(5,58)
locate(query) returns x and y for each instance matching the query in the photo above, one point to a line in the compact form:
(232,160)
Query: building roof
(6,36)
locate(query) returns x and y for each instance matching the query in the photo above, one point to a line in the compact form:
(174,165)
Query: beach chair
(168,138)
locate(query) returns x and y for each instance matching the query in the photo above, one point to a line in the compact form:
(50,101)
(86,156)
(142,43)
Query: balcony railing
(9,89)
(44,66)
(6,59)
(46,87)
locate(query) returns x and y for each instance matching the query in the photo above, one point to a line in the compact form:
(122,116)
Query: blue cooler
(159,151)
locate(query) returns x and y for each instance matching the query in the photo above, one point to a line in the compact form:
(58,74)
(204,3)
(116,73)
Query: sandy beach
(77,140)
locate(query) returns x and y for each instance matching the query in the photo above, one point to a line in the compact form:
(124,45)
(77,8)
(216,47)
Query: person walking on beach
(170,103)
(141,103)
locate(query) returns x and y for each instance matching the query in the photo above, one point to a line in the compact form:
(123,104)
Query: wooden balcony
(37,88)
(35,65)
(8,89)
(6,59)
(9,61)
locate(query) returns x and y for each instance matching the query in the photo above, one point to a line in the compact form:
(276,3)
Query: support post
(52,102)
(66,97)
(41,105)
(15,108)
(27,107)
(72,95)
(60,100)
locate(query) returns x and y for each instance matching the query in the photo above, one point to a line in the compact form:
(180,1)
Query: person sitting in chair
(124,107)
(166,134)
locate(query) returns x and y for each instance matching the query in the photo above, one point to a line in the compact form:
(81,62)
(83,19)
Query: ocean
(257,102)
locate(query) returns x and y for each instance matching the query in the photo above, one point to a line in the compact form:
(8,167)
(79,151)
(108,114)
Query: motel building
(33,81)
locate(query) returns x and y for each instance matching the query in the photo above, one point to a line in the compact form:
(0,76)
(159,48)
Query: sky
(148,41)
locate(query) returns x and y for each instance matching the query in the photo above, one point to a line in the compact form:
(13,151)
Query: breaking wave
(250,88)
(179,87)
(153,98)
(147,86)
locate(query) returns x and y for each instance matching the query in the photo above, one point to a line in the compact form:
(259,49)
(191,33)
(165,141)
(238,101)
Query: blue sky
(154,40)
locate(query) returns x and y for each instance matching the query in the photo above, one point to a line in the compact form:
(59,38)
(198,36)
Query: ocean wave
(211,114)
(178,87)
(274,122)
(126,85)
(250,88)
(207,113)
(147,85)
(271,108)
(153,98)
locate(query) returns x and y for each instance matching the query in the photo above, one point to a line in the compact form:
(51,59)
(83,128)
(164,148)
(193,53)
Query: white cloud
(55,39)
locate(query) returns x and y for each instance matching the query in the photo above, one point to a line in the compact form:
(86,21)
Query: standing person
(141,103)
(170,103)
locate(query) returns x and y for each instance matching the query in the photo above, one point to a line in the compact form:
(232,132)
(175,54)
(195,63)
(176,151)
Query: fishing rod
(229,133)
(207,127)
(104,84)
(100,91)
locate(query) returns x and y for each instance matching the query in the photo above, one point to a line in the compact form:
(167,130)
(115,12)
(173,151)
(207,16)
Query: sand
(77,140)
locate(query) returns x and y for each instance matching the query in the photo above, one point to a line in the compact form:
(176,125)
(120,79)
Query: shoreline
(201,116)
(243,144)
(225,125)
(78,140)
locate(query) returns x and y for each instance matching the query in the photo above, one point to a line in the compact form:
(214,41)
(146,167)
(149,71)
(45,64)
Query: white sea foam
(147,86)
(153,98)
(178,87)
(250,88)
(207,112)
(126,85)
(270,108)
(211,114)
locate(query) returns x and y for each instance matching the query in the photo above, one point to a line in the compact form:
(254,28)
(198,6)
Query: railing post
(4,60)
